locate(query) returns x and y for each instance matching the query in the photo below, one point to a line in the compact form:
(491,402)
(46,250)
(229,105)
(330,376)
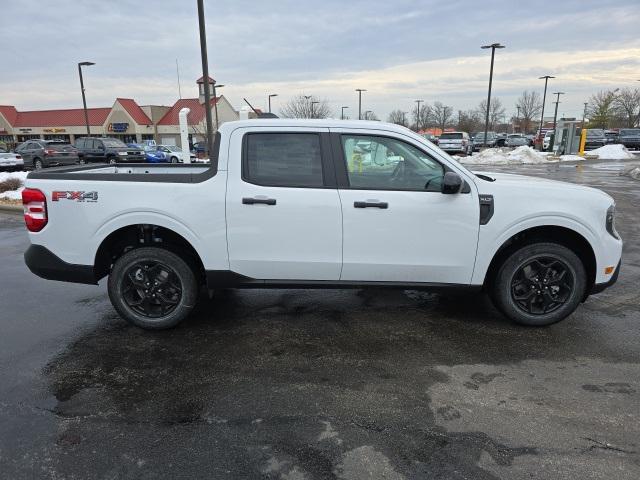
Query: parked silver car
(11,161)
(516,140)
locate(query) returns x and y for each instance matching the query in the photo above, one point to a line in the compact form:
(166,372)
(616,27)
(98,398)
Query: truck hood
(528,185)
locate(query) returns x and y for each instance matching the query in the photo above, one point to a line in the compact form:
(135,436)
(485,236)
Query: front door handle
(264,201)
(370,204)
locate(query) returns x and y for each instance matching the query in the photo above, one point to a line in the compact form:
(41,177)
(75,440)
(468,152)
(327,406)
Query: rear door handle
(370,204)
(264,201)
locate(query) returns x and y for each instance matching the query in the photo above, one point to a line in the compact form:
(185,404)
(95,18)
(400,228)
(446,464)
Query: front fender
(491,239)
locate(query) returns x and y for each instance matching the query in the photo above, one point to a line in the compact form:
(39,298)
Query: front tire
(174,160)
(113,160)
(539,284)
(152,288)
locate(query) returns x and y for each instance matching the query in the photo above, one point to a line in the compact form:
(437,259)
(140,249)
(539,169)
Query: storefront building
(125,120)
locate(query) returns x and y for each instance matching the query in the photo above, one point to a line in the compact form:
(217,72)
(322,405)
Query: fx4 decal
(77,196)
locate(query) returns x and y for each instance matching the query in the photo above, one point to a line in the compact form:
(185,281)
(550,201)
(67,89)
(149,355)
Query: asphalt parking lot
(322,384)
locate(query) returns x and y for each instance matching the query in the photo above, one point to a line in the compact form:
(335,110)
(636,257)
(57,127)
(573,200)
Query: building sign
(118,127)
(54,130)
(25,130)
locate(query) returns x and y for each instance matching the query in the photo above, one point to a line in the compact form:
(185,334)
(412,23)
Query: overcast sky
(399,50)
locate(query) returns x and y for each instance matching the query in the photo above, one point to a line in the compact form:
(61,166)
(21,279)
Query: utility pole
(544,100)
(360,90)
(84,99)
(493,47)
(555,119)
(342,114)
(205,76)
(418,115)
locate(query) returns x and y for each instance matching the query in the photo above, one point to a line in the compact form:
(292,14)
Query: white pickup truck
(319,203)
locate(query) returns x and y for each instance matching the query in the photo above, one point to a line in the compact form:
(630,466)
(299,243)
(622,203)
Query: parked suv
(107,150)
(39,154)
(478,140)
(630,138)
(595,139)
(456,142)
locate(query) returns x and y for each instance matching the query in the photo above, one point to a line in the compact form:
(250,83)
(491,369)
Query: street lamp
(360,90)
(215,105)
(205,76)
(342,114)
(555,118)
(418,115)
(493,47)
(271,95)
(312,104)
(544,99)
(84,100)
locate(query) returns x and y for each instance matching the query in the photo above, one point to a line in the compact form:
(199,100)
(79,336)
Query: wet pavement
(322,384)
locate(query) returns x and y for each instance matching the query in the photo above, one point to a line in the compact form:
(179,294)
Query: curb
(14,209)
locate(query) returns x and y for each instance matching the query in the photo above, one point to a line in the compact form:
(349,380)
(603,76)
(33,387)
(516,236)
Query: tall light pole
(360,90)
(493,47)
(271,95)
(518,118)
(418,115)
(84,99)
(342,114)
(555,118)
(584,114)
(205,75)
(544,99)
(215,105)
(312,104)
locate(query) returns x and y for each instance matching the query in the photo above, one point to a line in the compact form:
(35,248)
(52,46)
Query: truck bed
(143,172)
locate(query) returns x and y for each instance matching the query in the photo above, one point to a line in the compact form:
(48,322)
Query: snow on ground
(5,175)
(523,155)
(634,173)
(12,194)
(613,152)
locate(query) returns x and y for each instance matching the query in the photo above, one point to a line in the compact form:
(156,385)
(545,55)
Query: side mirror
(451,183)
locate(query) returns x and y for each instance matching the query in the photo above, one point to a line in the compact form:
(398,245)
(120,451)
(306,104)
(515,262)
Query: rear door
(397,225)
(284,220)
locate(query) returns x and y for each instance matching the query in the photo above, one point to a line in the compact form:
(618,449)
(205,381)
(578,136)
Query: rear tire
(37,164)
(539,284)
(152,288)
(174,160)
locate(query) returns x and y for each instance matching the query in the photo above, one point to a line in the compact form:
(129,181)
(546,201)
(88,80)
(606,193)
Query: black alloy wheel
(151,289)
(542,285)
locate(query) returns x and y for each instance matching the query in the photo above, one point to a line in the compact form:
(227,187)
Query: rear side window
(283,159)
(80,143)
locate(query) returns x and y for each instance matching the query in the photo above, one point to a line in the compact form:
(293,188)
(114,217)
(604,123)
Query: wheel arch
(137,235)
(565,236)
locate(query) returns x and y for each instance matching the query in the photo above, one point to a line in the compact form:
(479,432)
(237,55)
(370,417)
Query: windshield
(481,135)
(454,135)
(594,132)
(113,142)
(629,132)
(172,148)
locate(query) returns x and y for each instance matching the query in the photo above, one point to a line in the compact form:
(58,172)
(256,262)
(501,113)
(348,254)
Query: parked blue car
(151,154)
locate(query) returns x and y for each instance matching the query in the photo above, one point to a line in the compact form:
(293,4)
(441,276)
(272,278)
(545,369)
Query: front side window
(382,163)
(283,159)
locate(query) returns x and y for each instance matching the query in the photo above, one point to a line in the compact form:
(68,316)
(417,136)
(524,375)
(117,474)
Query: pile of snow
(634,173)
(613,152)
(21,175)
(523,155)
(13,194)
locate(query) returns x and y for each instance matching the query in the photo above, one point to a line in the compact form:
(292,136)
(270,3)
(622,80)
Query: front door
(398,226)
(284,220)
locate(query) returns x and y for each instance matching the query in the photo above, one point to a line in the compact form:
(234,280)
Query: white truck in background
(319,203)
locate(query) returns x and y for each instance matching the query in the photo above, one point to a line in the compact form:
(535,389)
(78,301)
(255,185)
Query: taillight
(18,157)
(35,209)
(49,151)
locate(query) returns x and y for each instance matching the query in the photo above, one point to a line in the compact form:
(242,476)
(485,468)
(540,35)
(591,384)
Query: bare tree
(369,115)
(530,105)
(425,117)
(398,117)
(601,108)
(302,107)
(495,112)
(469,121)
(441,114)
(627,105)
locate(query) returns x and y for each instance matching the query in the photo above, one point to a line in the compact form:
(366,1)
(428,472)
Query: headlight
(611,222)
